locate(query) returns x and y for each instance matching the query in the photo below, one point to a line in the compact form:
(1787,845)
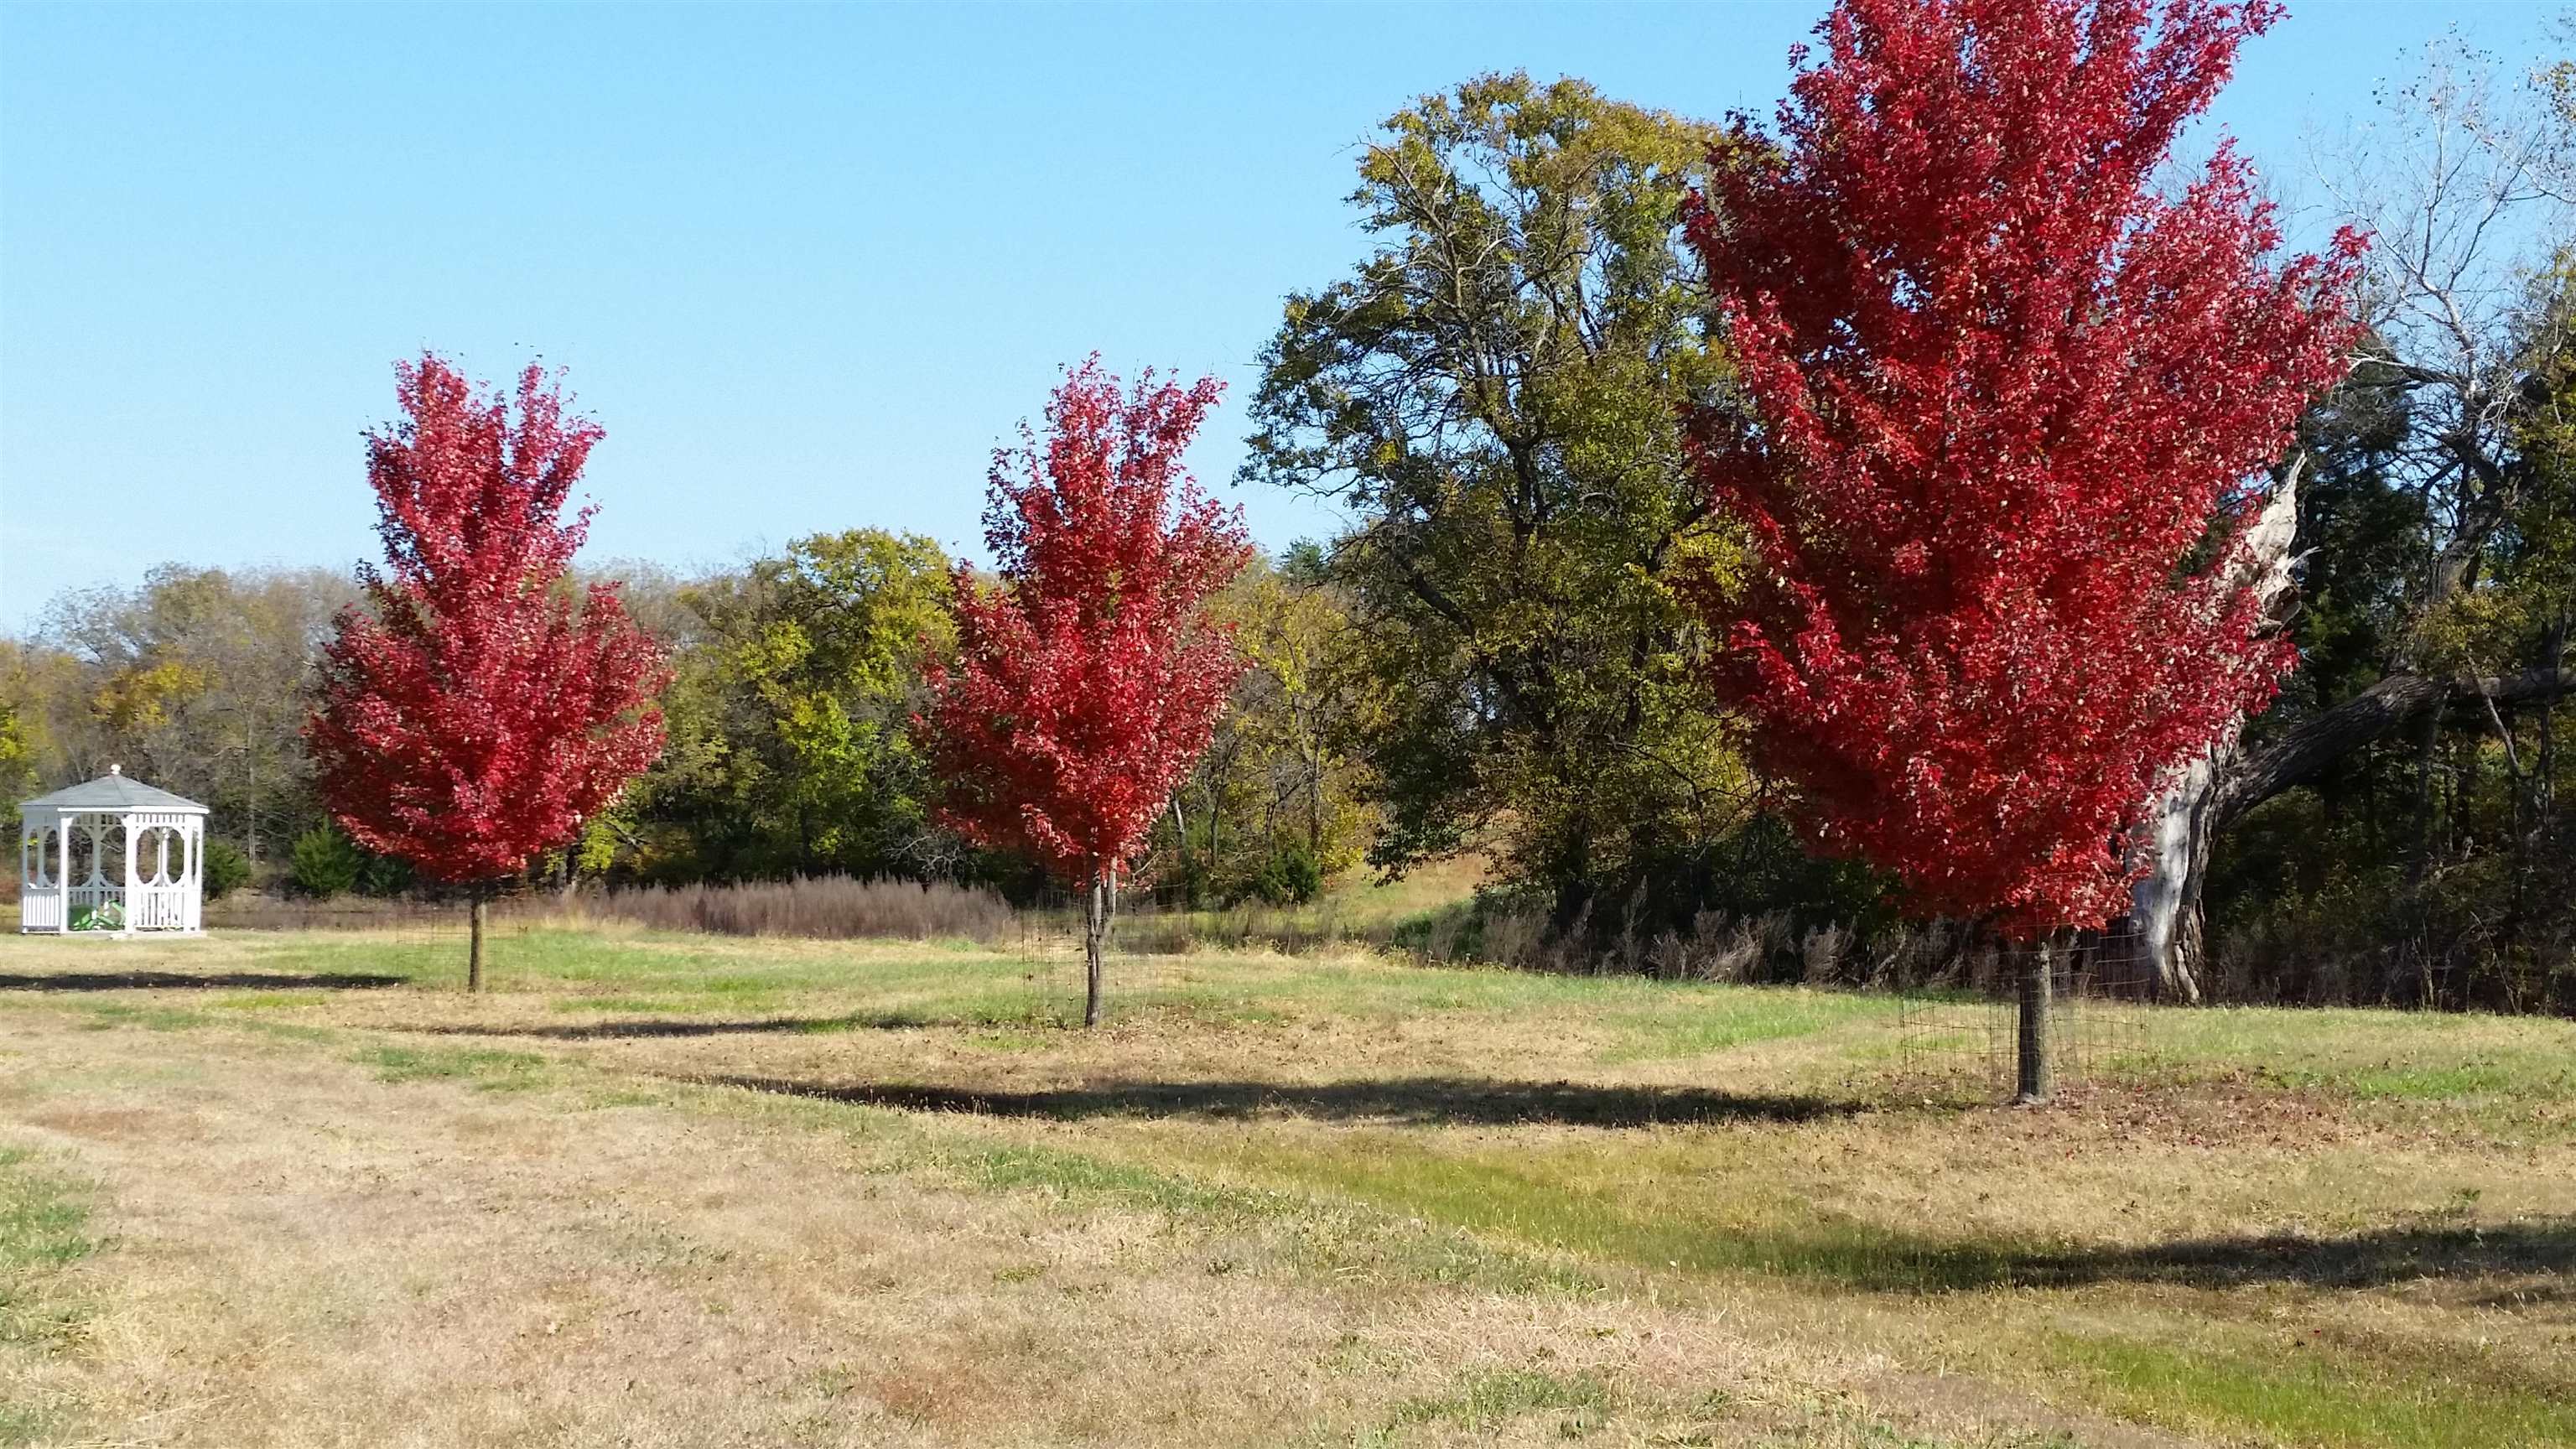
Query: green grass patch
(1587,1201)
(106,1014)
(43,1229)
(1316,1235)
(2323,1392)
(486,1069)
(2442,1083)
(629,1005)
(272,1000)
(1489,1401)
(1691,1021)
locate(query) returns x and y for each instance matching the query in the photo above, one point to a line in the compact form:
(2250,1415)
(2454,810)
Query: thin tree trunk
(1315,806)
(2426,747)
(1103,904)
(474,940)
(2545,802)
(2037,1076)
(1216,821)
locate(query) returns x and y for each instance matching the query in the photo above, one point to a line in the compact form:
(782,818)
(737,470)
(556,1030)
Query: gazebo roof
(112,791)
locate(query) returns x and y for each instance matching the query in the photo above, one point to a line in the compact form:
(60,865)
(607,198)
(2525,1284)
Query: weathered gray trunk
(2164,920)
(474,940)
(2163,924)
(2219,789)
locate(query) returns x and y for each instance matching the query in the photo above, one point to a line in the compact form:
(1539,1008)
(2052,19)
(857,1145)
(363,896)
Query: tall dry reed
(833,907)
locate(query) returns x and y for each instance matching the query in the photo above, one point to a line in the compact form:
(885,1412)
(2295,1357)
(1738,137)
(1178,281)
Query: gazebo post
(63,878)
(133,896)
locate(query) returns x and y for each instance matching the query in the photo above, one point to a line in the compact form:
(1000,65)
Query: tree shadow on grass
(2375,1259)
(648,1028)
(197,981)
(1879,1259)
(1829,1246)
(1424,1101)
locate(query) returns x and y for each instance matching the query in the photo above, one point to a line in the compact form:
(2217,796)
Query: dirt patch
(110,1124)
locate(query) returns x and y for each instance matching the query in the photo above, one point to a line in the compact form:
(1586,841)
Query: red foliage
(470,716)
(1999,390)
(1089,681)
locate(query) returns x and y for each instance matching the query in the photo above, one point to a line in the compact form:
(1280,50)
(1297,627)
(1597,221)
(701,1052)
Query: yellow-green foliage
(1493,395)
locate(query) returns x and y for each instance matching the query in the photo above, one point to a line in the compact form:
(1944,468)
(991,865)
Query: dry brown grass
(688,1192)
(308,1256)
(833,907)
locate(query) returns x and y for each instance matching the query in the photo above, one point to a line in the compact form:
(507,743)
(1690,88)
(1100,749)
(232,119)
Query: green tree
(2409,833)
(788,748)
(196,680)
(1492,397)
(1272,807)
(227,869)
(17,755)
(325,863)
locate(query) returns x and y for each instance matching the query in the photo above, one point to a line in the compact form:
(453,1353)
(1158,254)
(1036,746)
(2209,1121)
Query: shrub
(1290,877)
(226,869)
(325,863)
(383,875)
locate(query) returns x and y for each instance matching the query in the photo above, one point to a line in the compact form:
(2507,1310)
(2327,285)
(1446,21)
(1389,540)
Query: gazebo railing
(88,901)
(105,908)
(158,908)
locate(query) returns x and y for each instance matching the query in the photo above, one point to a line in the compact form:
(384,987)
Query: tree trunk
(1097,914)
(2036,1074)
(2429,744)
(2217,792)
(2164,907)
(2545,815)
(474,940)
(1315,807)
(1216,822)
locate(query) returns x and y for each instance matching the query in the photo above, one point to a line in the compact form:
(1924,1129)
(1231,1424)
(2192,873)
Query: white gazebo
(111,857)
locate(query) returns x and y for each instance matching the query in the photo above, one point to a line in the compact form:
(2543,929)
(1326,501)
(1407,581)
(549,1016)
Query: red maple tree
(1089,680)
(2004,402)
(472,712)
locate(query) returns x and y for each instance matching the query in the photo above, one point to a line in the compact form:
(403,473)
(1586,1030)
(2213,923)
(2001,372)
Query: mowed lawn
(276,1189)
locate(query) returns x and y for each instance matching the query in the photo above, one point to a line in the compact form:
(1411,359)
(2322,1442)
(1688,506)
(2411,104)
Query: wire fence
(1958,1032)
(1136,962)
(425,935)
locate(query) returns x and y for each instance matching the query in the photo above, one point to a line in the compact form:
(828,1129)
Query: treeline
(790,752)
(1497,655)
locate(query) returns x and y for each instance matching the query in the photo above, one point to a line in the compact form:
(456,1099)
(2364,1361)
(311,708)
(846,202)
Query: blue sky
(807,264)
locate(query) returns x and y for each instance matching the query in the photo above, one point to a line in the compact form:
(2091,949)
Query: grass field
(661,1191)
